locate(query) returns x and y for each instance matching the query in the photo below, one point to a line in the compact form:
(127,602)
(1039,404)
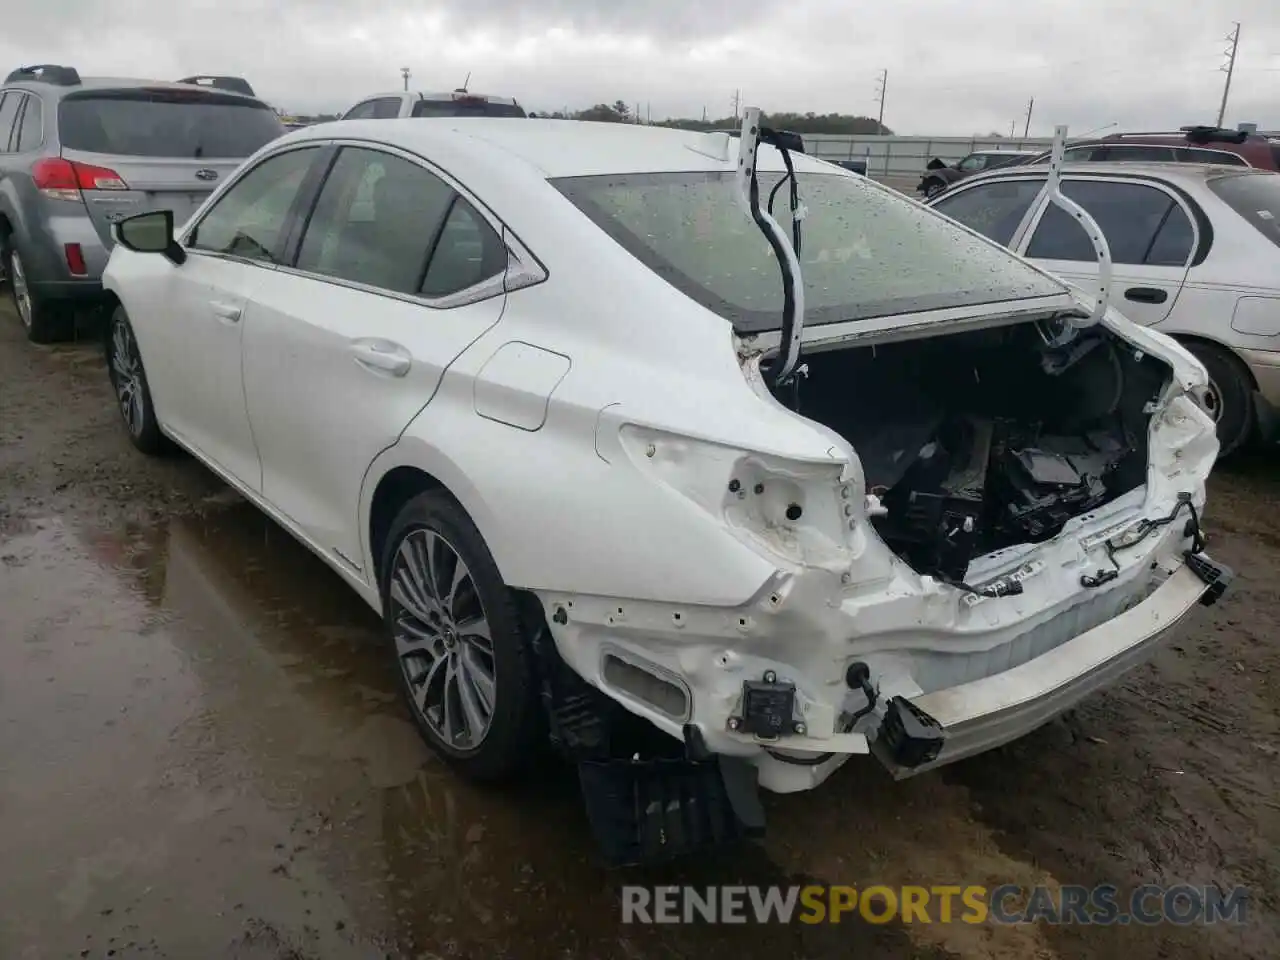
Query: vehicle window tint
(31,127)
(993,209)
(1082,154)
(248,220)
(1174,240)
(375,221)
(468,252)
(386,108)
(361,111)
(465,108)
(8,113)
(1135,152)
(868,251)
(1130,215)
(139,122)
(1254,196)
(972,163)
(1221,157)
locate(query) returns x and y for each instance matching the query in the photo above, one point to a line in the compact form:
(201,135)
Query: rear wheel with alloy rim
(129,381)
(462,656)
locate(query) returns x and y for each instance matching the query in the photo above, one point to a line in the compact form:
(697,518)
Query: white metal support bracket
(789,352)
(1052,194)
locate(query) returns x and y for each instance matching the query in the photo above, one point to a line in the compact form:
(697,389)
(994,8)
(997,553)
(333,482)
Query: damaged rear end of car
(998,515)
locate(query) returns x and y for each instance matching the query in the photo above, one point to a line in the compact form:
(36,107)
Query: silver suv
(78,153)
(458,103)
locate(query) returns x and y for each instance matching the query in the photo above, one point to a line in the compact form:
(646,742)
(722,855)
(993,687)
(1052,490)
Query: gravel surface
(202,755)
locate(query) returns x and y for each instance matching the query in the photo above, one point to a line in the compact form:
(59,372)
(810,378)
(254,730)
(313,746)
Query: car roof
(117,83)
(554,148)
(1171,171)
(443,95)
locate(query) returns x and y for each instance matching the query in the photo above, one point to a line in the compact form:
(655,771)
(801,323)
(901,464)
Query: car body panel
(617,510)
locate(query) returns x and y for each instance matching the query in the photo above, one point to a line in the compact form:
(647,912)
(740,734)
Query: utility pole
(1013,125)
(1229,68)
(1026,127)
(737,103)
(882,82)
(404,72)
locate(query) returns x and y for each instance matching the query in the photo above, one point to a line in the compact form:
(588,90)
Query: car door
(1149,229)
(190,324)
(395,275)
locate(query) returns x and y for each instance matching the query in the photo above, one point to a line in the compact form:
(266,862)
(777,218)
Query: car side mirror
(150,233)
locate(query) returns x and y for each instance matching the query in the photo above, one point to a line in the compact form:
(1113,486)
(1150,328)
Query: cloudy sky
(955,66)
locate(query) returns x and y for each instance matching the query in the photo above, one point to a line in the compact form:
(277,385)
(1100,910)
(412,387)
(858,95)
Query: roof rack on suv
(46,73)
(1207,134)
(233,84)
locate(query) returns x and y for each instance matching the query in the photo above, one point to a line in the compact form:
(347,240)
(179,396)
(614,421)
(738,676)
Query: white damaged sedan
(710,502)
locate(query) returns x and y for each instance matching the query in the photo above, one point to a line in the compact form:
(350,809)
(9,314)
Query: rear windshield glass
(158,123)
(1256,197)
(465,108)
(865,251)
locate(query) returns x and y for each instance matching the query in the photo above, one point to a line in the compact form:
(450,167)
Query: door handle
(1146,295)
(382,356)
(230,312)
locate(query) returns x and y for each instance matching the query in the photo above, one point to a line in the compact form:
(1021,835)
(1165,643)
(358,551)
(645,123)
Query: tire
(45,321)
(449,676)
(129,382)
(934,188)
(1230,396)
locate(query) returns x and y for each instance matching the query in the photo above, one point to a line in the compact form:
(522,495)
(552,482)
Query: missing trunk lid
(978,441)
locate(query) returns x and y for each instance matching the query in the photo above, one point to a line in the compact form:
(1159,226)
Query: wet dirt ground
(202,755)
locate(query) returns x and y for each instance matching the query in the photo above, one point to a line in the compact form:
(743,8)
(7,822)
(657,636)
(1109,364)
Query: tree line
(832,123)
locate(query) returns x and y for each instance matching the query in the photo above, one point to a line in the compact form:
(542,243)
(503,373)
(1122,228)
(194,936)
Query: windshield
(465,108)
(866,251)
(162,123)
(1256,197)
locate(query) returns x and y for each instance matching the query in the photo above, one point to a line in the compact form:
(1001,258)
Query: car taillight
(63,179)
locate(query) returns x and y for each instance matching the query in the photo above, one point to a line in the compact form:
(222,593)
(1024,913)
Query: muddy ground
(201,754)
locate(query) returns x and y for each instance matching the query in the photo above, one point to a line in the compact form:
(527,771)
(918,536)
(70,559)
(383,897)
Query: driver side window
(248,220)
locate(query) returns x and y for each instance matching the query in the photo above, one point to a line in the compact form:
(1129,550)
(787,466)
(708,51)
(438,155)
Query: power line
(1229,68)
(882,85)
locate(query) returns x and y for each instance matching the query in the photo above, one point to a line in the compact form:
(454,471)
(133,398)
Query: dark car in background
(939,175)
(79,153)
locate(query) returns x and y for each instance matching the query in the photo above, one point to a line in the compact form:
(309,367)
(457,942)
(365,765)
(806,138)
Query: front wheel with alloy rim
(462,655)
(44,321)
(129,381)
(1229,398)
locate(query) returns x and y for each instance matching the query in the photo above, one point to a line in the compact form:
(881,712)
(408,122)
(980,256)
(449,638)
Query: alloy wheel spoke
(476,633)
(475,716)
(406,592)
(480,677)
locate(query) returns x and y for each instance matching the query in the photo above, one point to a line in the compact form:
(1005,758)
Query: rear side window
(376,221)
(1256,197)
(8,113)
(165,123)
(992,209)
(31,127)
(467,252)
(465,108)
(1143,225)
(1220,157)
(1135,152)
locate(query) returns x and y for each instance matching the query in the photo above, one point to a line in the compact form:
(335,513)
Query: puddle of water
(202,753)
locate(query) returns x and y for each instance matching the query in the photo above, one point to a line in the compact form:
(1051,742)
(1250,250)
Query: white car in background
(530,388)
(1196,249)
(456,103)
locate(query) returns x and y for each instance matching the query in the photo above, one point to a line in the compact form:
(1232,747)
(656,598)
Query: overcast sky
(955,66)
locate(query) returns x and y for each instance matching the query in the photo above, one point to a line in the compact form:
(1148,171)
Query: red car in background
(1189,145)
